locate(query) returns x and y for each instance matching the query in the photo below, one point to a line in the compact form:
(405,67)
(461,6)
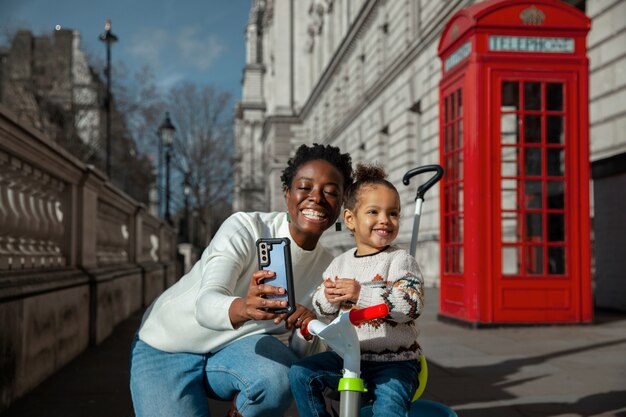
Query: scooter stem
(340,334)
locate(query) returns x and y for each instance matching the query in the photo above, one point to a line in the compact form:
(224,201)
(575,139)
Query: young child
(375,272)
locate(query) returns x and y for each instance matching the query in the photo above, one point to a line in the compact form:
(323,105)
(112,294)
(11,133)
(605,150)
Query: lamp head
(167,131)
(107,36)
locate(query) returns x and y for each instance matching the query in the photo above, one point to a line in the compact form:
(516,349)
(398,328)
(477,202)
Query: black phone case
(274,254)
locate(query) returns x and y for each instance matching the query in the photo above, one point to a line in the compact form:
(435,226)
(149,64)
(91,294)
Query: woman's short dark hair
(328,153)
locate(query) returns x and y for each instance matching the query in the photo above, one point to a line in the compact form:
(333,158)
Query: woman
(210,334)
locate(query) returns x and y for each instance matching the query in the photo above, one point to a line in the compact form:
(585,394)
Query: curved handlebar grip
(358,316)
(421,190)
(304,331)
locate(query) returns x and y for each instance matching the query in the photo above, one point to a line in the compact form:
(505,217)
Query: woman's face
(313,201)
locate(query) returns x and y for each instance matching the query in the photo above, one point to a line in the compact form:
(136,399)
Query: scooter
(341,336)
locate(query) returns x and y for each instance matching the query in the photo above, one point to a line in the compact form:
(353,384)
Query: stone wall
(77,256)
(607,124)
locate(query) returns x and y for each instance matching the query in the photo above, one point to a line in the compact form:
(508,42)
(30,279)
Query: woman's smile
(314,215)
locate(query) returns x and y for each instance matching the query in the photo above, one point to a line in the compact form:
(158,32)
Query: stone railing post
(90,187)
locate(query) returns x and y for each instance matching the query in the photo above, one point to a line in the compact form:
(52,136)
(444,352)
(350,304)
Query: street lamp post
(186,191)
(108,38)
(166,133)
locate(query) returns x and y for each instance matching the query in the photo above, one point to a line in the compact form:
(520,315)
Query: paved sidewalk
(532,371)
(535,371)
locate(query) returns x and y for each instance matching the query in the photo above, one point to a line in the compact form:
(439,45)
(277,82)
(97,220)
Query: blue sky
(201,41)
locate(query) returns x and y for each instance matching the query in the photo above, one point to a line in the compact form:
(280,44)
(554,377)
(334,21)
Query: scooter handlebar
(357,316)
(421,190)
(360,315)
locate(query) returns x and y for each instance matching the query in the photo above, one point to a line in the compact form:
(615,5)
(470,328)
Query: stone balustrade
(31,216)
(77,256)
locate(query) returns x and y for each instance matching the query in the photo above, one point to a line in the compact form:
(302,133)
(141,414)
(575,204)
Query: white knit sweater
(390,276)
(192,315)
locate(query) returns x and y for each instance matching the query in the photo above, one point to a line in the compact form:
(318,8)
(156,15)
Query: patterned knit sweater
(390,276)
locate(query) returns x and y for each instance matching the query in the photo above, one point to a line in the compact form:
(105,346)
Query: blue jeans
(391,383)
(166,384)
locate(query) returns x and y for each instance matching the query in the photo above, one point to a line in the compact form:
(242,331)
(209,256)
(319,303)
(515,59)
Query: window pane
(508,129)
(459,106)
(510,260)
(455,229)
(445,109)
(452,106)
(510,95)
(556,227)
(509,227)
(453,196)
(532,129)
(533,194)
(509,195)
(556,166)
(459,139)
(554,130)
(556,260)
(509,161)
(459,267)
(556,198)
(532,96)
(532,161)
(534,260)
(449,167)
(554,96)
(452,133)
(533,227)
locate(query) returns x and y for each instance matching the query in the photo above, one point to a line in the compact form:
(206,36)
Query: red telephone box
(515,232)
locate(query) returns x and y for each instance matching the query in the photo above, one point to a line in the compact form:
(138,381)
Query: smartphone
(275,255)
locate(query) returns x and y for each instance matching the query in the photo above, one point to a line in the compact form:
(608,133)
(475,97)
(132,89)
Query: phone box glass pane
(532,161)
(510,95)
(554,96)
(532,129)
(534,260)
(510,260)
(532,96)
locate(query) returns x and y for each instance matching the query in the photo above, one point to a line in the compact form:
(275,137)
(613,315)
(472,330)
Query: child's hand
(342,290)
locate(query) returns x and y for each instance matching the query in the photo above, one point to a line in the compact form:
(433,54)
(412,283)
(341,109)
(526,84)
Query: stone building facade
(46,81)
(364,75)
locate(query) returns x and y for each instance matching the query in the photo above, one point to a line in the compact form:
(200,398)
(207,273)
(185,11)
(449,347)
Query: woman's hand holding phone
(256,304)
(258,299)
(270,293)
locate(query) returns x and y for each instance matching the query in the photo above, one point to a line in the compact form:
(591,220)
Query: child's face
(375,219)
